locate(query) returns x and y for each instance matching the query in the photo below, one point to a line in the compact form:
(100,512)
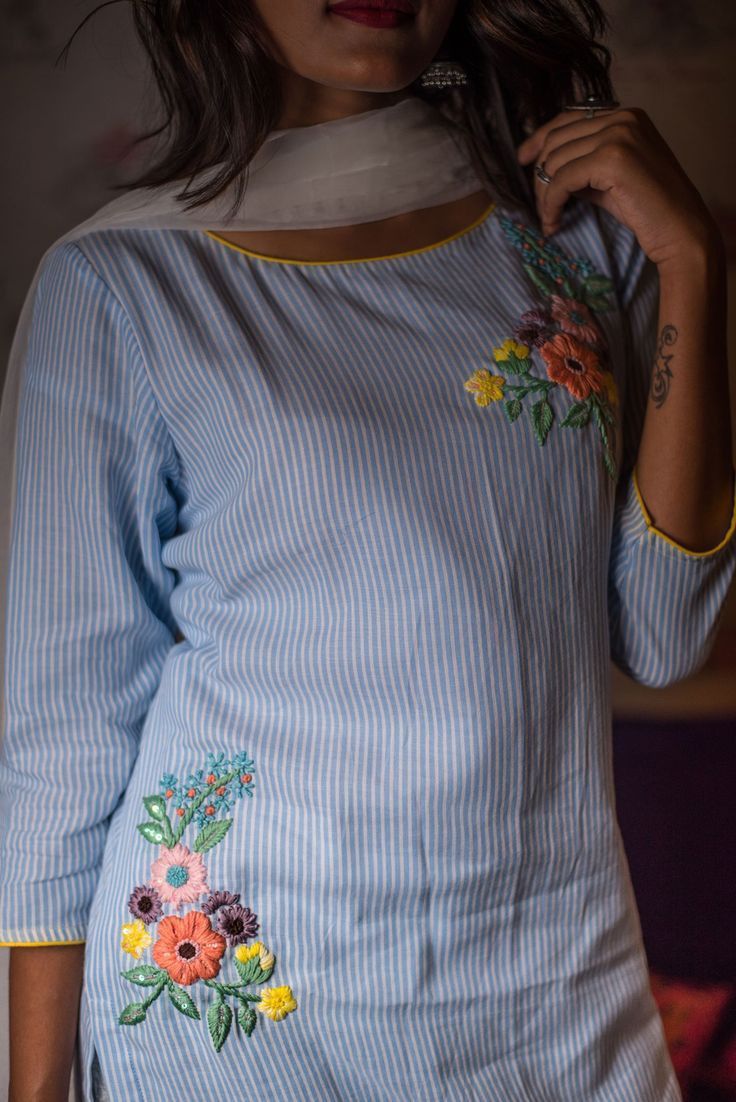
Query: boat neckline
(476,224)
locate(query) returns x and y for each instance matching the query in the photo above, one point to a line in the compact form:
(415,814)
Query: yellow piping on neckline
(356,260)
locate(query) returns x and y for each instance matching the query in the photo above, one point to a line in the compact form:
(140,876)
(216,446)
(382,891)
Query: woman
(327,521)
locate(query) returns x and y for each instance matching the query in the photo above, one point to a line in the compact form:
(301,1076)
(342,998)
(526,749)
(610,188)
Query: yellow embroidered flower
(610,386)
(245,953)
(486,387)
(509,349)
(276,1002)
(135,938)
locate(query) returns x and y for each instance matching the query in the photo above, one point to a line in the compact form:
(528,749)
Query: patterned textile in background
(700,1028)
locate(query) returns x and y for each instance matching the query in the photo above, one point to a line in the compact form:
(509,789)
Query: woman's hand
(619,160)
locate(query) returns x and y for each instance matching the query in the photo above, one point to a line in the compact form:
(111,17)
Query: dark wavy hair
(221,93)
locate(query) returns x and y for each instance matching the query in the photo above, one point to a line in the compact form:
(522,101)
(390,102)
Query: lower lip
(375,17)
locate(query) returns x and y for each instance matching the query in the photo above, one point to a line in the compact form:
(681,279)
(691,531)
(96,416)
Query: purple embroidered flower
(219,899)
(145,903)
(236,923)
(533,327)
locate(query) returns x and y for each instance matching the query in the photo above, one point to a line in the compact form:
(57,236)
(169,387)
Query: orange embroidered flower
(572,364)
(486,387)
(575,318)
(188,948)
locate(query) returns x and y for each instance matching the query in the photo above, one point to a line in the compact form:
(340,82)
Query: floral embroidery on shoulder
(567,337)
(194,946)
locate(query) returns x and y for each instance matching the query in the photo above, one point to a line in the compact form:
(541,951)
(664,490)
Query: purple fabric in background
(675,794)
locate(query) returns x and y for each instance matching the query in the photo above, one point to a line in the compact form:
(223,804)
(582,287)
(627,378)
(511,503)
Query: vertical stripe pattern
(257,511)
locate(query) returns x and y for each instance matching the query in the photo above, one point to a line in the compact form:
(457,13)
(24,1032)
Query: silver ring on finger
(539,169)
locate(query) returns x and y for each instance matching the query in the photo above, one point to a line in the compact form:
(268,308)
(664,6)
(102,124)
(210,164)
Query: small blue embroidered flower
(553,270)
(235,777)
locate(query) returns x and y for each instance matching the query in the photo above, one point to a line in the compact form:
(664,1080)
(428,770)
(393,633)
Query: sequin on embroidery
(193,948)
(566,336)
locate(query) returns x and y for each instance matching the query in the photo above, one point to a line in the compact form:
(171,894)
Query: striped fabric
(274,564)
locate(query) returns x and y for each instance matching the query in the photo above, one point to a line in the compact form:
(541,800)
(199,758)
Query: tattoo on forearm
(662,373)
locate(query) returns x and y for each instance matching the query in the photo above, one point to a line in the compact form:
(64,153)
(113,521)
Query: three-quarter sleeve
(88,618)
(664,600)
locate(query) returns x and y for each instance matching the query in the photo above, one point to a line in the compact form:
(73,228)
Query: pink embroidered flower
(188,948)
(575,318)
(574,365)
(179,875)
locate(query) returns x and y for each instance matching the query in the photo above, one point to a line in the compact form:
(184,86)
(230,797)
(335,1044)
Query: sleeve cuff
(35,944)
(648,526)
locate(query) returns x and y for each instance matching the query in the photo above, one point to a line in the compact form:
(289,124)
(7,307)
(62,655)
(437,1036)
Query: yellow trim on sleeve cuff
(33,944)
(674,543)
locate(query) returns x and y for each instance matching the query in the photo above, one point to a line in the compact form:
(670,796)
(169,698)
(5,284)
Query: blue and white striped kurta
(274,564)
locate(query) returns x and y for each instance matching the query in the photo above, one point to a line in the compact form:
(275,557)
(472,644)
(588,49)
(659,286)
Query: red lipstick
(376,13)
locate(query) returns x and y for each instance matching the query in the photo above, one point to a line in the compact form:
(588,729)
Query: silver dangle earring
(443,74)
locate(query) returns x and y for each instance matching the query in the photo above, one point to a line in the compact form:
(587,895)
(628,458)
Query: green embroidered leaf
(577,415)
(250,971)
(607,413)
(228,988)
(263,976)
(517,365)
(210,835)
(610,463)
(608,458)
(219,1020)
(133,1014)
(145,975)
(155,806)
(542,416)
(182,1001)
(545,284)
(598,284)
(597,417)
(247,1018)
(597,303)
(152,832)
(513,409)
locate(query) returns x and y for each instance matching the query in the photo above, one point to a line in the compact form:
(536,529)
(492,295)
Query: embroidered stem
(199,800)
(224,988)
(609,461)
(532,385)
(161,984)
(135,1013)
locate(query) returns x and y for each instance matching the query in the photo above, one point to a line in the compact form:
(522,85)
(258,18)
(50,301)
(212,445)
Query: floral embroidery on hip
(195,946)
(565,334)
